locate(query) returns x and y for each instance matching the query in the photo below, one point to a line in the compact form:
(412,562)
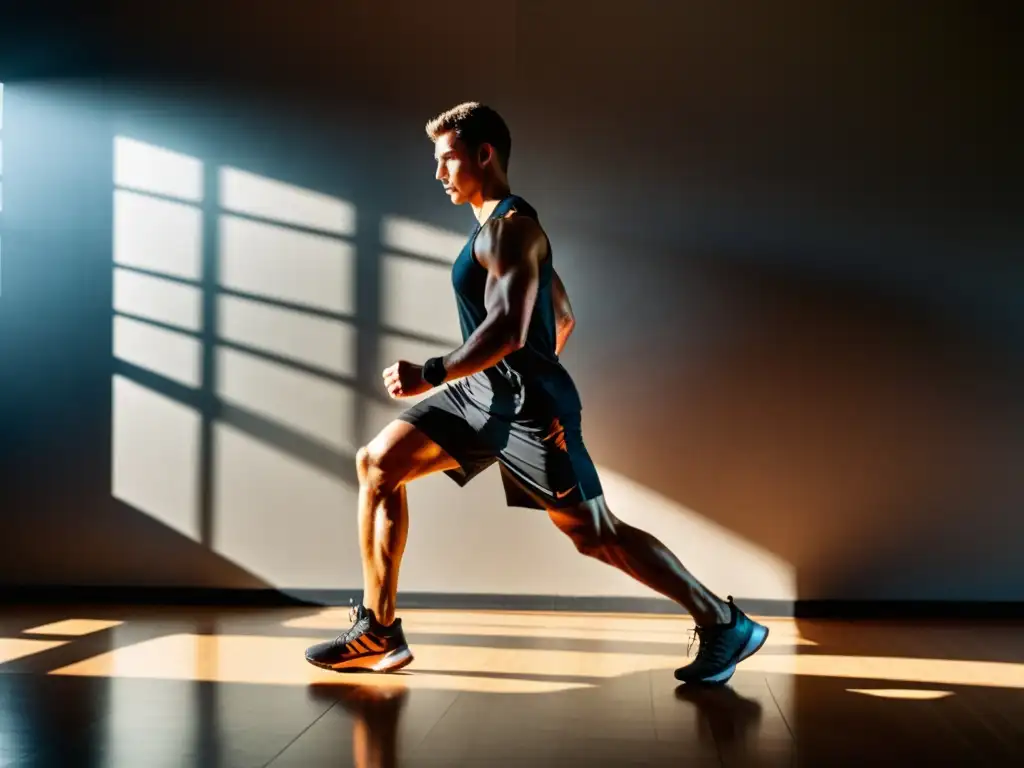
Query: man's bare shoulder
(510,238)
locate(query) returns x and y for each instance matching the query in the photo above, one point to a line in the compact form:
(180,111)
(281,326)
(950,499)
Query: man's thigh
(403,450)
(550,463)
(445,421)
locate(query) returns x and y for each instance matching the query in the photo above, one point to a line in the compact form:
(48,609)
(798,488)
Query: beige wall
(788,240)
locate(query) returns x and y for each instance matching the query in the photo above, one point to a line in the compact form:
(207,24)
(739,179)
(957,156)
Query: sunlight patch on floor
(902,693)
(73,627)
(12,649)
(927,671)
(555,624)
(280,661)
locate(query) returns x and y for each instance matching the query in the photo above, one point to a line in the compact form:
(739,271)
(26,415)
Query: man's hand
(404,379)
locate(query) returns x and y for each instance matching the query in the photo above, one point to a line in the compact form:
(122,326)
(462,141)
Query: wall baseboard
(268,598)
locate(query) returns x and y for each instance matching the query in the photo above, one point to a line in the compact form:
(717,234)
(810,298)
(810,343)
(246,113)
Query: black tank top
(530,381)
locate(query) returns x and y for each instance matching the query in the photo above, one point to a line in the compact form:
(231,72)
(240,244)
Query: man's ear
(485,154)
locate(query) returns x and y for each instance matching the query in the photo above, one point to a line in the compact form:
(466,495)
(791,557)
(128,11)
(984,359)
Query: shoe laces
(708,649)
(707,636)
(359,625)
(692,634)
(702,636)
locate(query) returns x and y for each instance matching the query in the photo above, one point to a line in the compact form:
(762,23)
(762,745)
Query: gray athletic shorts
(543,461)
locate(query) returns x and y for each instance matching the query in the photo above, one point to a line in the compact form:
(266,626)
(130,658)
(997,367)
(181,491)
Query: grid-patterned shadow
(237,408)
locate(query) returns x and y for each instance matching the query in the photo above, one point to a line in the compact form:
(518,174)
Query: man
(507,399)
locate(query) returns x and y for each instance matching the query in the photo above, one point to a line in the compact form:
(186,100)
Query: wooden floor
(149,688)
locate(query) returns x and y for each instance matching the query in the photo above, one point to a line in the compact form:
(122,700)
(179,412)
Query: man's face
(458,169)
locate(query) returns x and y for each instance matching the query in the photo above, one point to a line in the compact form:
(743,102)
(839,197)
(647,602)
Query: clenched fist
(404,379)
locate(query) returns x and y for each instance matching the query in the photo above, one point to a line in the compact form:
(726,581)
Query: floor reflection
(375,712)
(732,720)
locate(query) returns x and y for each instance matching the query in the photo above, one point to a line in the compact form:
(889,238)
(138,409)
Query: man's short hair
(475,124)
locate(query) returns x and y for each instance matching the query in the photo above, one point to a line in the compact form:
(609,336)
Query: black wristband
(434,372)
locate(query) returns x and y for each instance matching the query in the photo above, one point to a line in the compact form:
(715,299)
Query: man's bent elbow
(517,341)
(509,332)
(516,333)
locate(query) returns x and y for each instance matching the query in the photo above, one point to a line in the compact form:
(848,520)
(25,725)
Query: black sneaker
(368,646)
(722,647)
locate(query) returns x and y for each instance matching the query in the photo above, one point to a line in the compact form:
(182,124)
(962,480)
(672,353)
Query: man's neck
(488,201)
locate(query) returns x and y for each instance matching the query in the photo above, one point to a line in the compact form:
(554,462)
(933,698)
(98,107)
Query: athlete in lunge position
(507,399)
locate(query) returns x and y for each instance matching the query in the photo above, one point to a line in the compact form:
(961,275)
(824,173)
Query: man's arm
(510,250)
(565,321)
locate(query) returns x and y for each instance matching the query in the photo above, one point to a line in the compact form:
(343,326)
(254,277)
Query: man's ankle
(719,613)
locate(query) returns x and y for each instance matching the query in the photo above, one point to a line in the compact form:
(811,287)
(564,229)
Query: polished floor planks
(147,686)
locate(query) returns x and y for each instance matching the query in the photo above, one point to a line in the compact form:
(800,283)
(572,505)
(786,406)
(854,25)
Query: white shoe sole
(391,661)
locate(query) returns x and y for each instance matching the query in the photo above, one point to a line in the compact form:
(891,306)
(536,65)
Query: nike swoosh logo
(564,493)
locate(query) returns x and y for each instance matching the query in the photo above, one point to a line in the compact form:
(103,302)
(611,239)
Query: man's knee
(377,470)
(364,464)
(591,526)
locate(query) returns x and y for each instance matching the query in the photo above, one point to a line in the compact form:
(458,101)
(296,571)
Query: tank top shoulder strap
(514,203)
(503,208)
(521,207)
